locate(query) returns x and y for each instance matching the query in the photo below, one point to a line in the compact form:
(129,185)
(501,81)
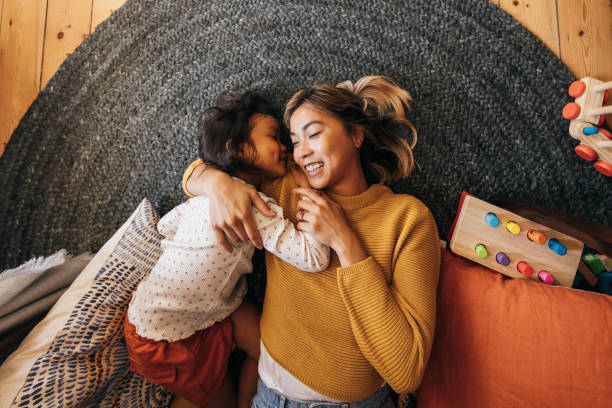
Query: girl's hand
(325,220)
(231,202)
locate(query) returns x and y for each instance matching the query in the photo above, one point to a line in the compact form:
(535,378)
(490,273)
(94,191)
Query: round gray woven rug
(117,121)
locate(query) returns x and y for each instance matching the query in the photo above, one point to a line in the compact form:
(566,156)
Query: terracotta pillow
(503,342)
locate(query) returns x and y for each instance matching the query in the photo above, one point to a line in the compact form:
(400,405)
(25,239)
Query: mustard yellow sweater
(345,330)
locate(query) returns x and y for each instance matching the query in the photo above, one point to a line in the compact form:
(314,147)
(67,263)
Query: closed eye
(314,135)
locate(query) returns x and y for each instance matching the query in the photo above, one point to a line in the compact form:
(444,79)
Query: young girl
(187,316)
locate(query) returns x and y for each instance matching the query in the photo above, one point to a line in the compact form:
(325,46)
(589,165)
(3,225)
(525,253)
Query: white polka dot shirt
(196,283)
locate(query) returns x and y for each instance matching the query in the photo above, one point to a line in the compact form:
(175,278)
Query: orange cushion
(503,342)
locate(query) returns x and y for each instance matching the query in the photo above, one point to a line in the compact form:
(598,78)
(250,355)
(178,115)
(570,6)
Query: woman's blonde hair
(378,106)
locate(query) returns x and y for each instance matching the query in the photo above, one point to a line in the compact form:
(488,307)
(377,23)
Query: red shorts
(192,368)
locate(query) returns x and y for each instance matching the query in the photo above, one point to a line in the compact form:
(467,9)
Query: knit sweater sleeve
(271,187)
(188,172)
(393,323)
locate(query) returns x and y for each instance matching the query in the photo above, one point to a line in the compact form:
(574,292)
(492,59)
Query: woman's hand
(325,220)
(231,202)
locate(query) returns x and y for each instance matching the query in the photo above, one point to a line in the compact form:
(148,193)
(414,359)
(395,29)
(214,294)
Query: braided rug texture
(116,124)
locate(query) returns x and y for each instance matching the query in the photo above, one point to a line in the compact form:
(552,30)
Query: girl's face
(271,153)
(328,154)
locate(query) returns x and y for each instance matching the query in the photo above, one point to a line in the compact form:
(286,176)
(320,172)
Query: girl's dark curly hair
(223,129)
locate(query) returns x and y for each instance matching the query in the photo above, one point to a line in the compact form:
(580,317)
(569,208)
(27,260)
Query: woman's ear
(358,136)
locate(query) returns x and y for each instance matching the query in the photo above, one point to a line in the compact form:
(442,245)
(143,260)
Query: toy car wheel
(571,111)
(603,167)
(585,152)
(576,89)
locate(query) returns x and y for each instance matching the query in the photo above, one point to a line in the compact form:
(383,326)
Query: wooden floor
(36,36)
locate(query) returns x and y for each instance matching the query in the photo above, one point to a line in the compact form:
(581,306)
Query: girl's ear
(241,152)
(228,145)
(246,151)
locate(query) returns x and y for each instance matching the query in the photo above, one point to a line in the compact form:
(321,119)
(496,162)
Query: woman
(367,322)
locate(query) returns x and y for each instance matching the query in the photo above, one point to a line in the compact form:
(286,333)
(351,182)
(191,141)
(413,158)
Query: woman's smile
(314,169)
(326,151)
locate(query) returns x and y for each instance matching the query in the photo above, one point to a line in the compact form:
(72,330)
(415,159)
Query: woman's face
(323,148)
(271,153)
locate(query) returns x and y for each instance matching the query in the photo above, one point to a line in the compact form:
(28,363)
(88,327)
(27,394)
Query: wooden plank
(68,24)
(585,28)
(21,48)
(102,9)
(1,13)
(538,16)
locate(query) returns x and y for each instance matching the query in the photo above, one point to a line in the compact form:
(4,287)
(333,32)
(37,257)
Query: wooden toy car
(586,115)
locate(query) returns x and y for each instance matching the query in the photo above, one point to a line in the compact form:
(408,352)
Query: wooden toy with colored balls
(513,245)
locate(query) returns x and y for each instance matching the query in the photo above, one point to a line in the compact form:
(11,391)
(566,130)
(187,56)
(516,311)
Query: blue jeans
(269,398)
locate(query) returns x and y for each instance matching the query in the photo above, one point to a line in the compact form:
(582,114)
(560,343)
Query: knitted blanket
(117,121)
